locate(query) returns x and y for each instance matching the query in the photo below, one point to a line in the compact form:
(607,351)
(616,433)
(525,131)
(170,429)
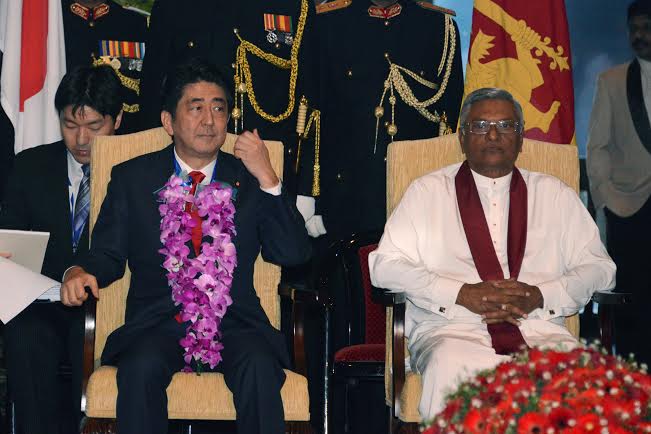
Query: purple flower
(200,285)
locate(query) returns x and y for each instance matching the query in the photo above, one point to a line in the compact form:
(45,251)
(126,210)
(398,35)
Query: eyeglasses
(483,127)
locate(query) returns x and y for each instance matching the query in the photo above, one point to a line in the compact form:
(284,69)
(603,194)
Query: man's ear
(166,120)
(118,120)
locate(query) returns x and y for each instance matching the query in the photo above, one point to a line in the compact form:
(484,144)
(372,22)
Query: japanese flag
(33,63)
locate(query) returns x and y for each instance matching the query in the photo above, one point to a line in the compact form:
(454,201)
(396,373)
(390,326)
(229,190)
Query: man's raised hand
(250,148)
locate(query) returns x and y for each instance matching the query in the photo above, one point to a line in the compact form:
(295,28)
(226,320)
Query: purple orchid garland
(201,285)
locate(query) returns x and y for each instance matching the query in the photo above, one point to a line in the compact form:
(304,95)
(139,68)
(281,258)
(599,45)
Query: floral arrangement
(549,392)
(200,285)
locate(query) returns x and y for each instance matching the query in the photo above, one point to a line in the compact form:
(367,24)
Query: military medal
(279,28)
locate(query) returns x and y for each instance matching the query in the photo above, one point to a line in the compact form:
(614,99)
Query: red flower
(533,423)
(474,422)
(578,392)
(561,417)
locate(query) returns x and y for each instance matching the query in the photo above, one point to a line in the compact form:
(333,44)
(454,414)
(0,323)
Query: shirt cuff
(447,291)
(553,294)
(66,272)
(274,191)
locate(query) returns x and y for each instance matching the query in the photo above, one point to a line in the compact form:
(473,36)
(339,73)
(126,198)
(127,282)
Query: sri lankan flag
(524,47)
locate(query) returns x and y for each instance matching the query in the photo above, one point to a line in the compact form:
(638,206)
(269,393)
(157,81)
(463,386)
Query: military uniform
(205,28)
(115,35)
(356,40)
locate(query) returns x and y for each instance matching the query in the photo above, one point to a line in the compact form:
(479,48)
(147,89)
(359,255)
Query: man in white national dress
(490,257)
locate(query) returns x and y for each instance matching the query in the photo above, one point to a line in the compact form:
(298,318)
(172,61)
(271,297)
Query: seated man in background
(49,191)
(149,348)
(490,257)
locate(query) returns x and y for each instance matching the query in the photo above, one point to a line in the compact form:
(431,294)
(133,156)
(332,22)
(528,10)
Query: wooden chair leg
(298,428)
(98,426)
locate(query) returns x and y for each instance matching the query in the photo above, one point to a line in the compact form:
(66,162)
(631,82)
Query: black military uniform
(355,42)
(115,35)
(355,38)
(205,28)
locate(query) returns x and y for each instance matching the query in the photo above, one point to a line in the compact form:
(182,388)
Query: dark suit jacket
(204,28)
(127,229)
(37,199)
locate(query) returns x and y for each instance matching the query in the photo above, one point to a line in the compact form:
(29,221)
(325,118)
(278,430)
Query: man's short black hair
(86,86)
(193,71)
(638,8)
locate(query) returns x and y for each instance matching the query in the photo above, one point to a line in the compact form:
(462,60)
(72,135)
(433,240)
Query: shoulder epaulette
(332,6)
(433,7)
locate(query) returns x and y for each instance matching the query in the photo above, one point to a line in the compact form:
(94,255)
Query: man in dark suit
(146,350)
(206,28)
(48,192)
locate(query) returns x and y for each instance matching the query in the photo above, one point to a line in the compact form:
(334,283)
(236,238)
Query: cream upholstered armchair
(190,396)
(406,161)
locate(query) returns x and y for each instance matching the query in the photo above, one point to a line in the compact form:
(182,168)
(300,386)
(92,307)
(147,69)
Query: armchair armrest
(608,300)
(88,362)
(300,298)
(387,298)
(396,301)
(612,298)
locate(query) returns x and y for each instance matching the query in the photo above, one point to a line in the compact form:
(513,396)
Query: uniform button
(289,151)
(277,45)
(91,24)
(386,124)
(385,159)
(349,73)
(386,55)
(422,73)
(190,44)
(386,23)
(233,65)
(339,177)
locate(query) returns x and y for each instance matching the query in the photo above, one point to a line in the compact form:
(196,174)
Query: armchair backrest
(408,160)
(107,151)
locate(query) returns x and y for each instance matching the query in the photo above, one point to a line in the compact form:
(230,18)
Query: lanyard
(187,182)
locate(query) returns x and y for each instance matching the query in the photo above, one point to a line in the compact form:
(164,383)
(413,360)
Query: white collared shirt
(424,251)
(208,172)
(645,72)
(494,197)
(75,175)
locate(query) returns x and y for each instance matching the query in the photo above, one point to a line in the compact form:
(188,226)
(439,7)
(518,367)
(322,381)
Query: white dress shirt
(645,72)
(75,175)
(208,171)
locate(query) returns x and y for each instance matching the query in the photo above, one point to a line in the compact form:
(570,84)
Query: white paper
(27,248)
(19,287)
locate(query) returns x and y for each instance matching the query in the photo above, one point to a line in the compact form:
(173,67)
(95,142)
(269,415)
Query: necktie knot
(196,176)
(86,169)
